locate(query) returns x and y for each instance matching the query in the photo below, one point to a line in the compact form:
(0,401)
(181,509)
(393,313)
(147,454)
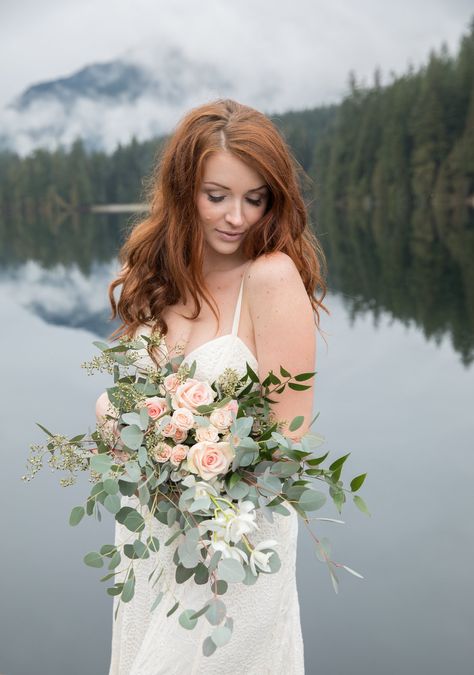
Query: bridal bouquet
(202,458)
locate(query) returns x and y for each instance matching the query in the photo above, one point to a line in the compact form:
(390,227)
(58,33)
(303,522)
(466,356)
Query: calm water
(394,387)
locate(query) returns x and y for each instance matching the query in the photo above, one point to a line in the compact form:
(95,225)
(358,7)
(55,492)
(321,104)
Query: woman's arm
(285,333)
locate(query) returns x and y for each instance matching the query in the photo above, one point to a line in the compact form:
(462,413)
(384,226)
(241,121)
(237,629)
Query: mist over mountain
(143,93)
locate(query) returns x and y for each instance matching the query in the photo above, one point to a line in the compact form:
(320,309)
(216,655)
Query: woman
(226,267)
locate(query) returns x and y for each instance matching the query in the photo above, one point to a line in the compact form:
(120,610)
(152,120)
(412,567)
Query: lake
(394,387)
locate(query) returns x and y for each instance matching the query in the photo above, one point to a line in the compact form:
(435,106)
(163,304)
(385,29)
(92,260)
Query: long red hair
(162,258)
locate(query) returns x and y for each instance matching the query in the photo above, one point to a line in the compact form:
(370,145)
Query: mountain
(108,103)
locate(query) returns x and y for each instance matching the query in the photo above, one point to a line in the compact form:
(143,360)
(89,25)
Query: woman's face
(232,197)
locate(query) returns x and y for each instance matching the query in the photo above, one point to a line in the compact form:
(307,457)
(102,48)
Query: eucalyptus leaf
(101,463)
(242,426)
(153,543)
(132,436)
(141,549)
(231,570)
(142,456)
(221,635)
(111,486)
(77,515)
(157,600)
(133,470)
(246,458)
(216,611)
(144,418)
(128,589)
(202,611)
(208,647)
(134,521)
(219,587)
(127,488)
(201,575)
(94,559)
(238,490)
(115,560)
(185,619)
(200,504)
(269,485)
(188,556)
(281,440)
(182,573)
(285,468)
(112,503)
(311,500)
(131,418)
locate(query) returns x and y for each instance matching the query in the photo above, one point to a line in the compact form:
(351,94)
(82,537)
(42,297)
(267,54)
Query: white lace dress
(266,637)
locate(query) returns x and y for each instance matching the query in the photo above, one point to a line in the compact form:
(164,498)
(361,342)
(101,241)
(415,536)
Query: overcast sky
(311,44)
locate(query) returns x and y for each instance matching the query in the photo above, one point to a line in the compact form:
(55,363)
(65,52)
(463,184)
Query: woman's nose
(234,215)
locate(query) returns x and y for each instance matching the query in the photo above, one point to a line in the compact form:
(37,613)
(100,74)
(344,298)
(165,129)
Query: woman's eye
(254,202)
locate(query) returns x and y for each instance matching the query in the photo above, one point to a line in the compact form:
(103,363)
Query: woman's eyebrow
(211,182)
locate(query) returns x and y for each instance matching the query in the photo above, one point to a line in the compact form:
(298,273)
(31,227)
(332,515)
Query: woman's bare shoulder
(272,268)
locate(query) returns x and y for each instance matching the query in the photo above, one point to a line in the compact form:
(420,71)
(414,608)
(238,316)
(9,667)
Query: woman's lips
(229,236)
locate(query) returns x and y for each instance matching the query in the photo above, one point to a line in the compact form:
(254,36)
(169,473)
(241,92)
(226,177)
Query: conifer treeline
(398,148)
(405,146)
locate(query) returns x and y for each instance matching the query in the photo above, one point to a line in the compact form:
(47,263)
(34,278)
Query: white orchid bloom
(229,551)
(237,522)
(231,524)
(260,559)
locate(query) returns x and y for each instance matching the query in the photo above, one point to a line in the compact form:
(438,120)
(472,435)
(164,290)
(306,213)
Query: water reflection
(63,295)
(422,275)
(379,396)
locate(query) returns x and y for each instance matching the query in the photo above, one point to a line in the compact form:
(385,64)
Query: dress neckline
(220,337)
(232,334)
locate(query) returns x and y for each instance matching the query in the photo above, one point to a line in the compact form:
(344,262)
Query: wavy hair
(162,257)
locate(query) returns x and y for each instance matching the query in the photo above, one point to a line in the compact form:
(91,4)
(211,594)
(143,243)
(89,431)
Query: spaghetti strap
(235,324)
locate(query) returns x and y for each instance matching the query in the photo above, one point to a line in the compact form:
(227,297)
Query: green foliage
(269,470)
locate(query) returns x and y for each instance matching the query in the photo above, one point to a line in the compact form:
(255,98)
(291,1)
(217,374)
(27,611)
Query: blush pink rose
(178,454)
(169,429)
(221,418)
(232,405)
(209,433)
(171,383)
(209,459)
(156,406)
(161,452)
(183,418)
(193,393)
(180,435)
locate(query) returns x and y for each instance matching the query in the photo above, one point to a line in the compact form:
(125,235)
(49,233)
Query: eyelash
(254,202)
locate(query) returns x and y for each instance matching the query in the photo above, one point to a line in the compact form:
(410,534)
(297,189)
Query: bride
(225,265)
